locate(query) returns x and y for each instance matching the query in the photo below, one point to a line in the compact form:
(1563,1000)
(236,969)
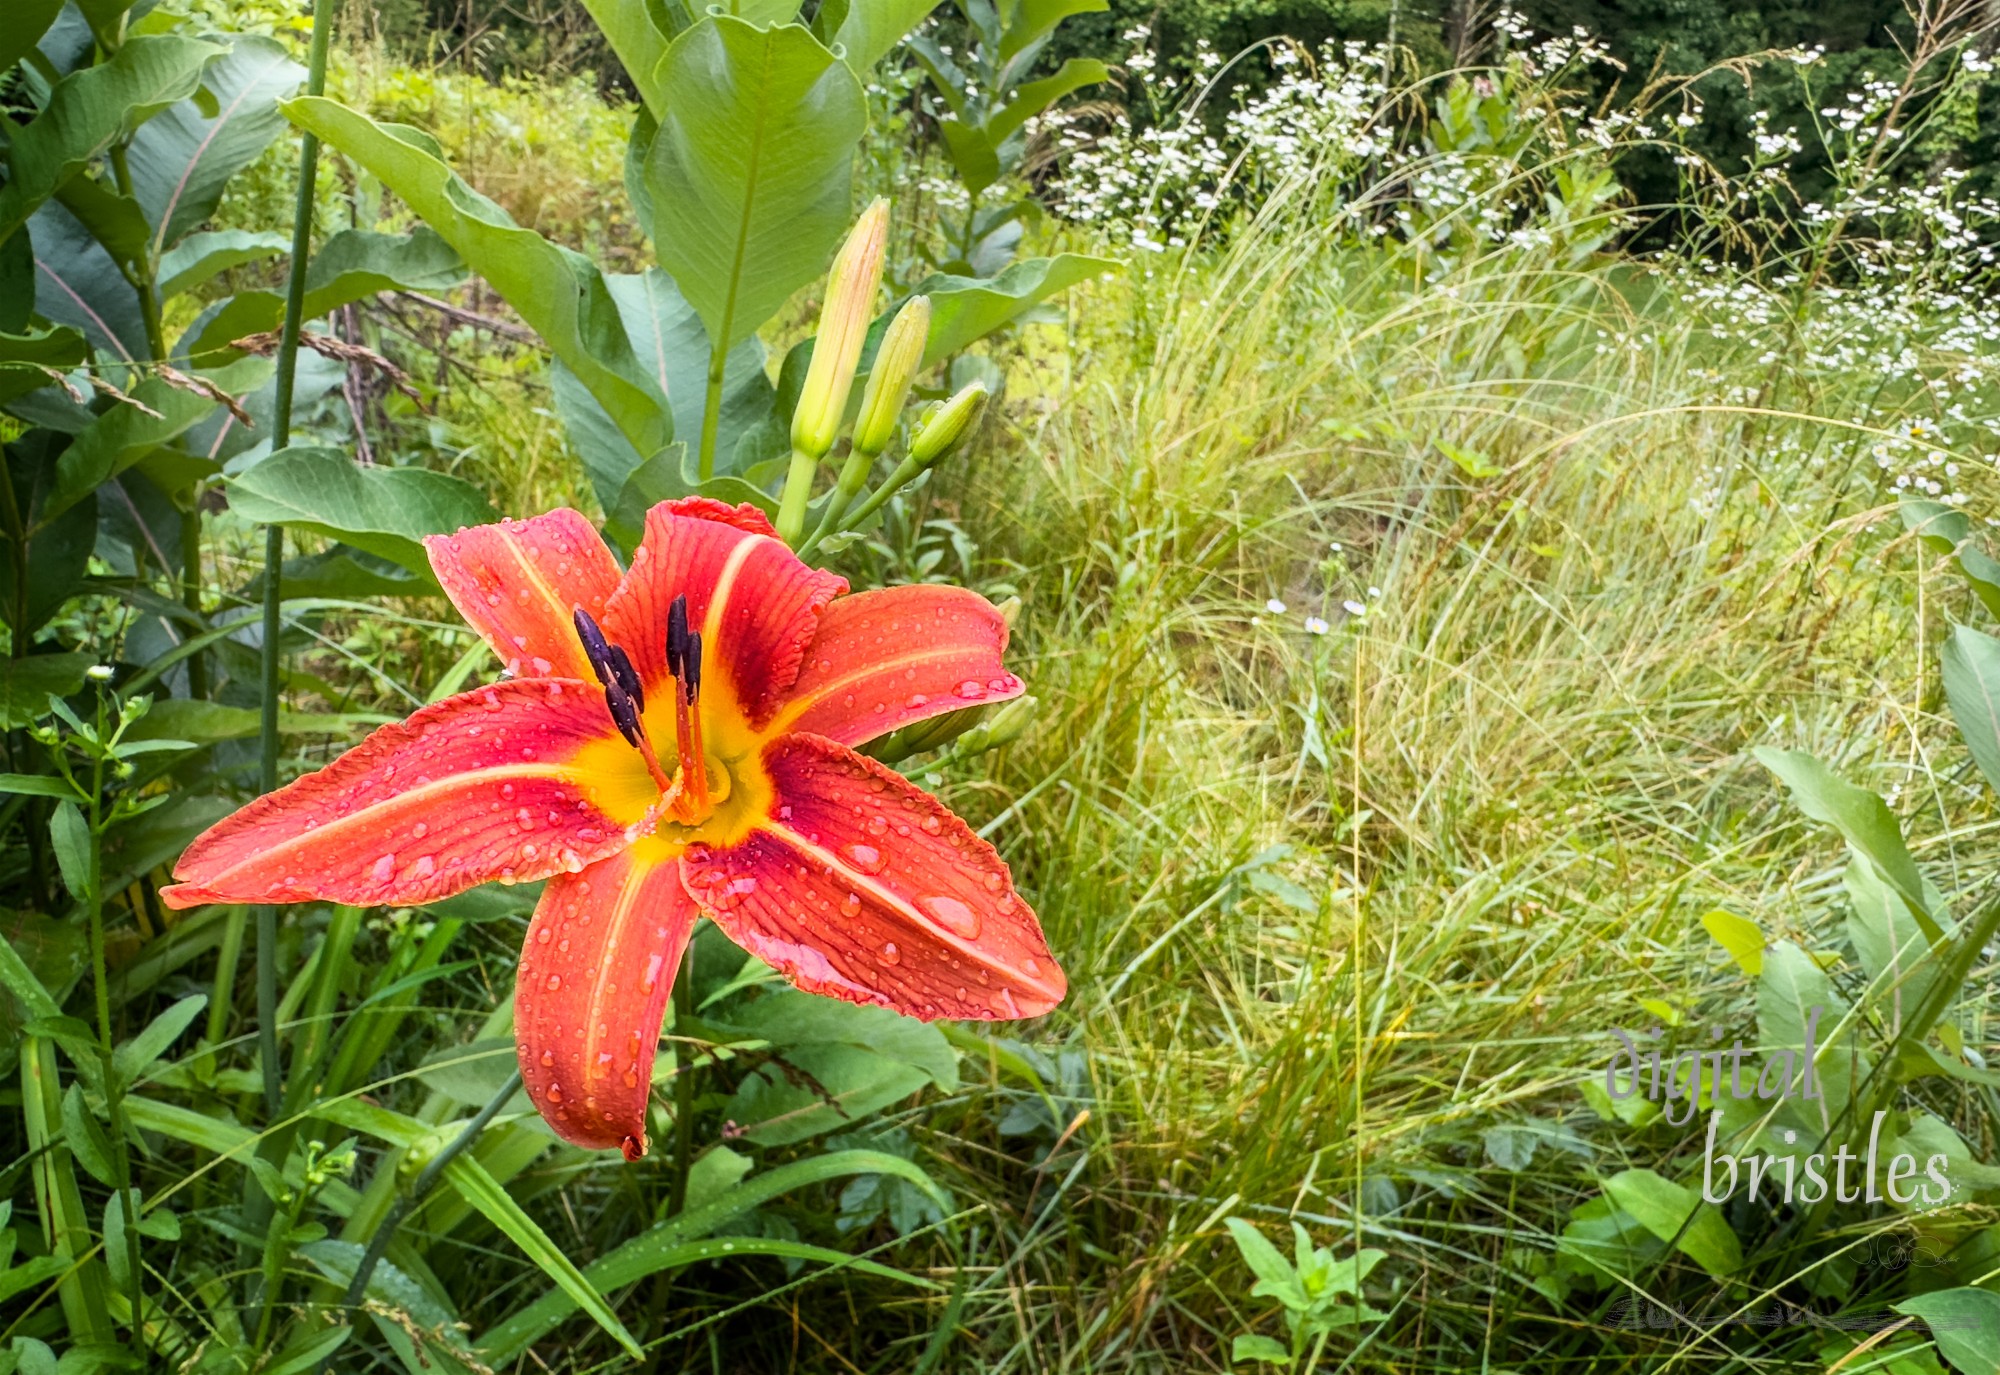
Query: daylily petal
(518,582)
(479,786)
(596,969)
(884,659)
(748,595)
(862,886)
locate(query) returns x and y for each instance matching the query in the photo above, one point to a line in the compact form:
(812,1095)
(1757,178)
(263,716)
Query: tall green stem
(274,536)
(711,412)
(114,1088)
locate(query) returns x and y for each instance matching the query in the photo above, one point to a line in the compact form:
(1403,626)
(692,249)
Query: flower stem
(711,413)
(798,492)
(274,536)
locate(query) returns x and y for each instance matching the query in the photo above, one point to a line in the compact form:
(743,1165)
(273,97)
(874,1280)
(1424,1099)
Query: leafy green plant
(990,104)
(1320,1295)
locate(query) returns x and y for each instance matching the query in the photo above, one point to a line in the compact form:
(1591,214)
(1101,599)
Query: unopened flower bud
(947,426)
(843,328)
(888,386)
(1001,726)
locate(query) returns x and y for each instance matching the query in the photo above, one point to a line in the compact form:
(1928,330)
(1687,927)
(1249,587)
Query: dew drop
(420,830)
(877,826)
(384,868)
(424,867)
(866,858)
(994,883)
(553,982)
(548,1058)
(972,688)
(891,955)
(932,825)
(544,936)
(507,790)
(850,905)
(951,914)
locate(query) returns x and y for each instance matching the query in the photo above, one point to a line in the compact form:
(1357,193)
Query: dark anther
(691,674)
(624,713)
(628,677)
(623,694)
(677,637)
(594,647)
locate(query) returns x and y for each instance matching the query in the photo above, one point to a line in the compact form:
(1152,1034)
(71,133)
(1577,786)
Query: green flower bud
(896,365)
(843,328)
(947,425)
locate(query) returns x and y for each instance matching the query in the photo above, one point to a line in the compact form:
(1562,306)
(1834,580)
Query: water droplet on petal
(876,826)
(932,825)
(553,982)
(972,688)
(384,868)
(891,955)
(420,830)
(994,883)
(548,1058)
(953,915)
(850,905)
(866,858)
(424,867)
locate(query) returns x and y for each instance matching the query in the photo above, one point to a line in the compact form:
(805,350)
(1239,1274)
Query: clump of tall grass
(1405,601)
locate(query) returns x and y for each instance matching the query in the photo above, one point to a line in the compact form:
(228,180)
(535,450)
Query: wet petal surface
(882,660)
(862,886)
(484,785)
(518,582)
(596,969)
(753,603)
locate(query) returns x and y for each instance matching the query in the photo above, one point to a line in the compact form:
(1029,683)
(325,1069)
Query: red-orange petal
(479,786)
(862,886)
(884,659)
(519,582)
(596,969)
(748,595)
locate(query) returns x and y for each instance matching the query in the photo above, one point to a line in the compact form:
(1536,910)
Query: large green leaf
(1676,1214)
(1792,995)
(181,160)
(559,293)
(384,511)
(1972,687)
(869,29)
(1862,819)
(1947,530)
(675,1242)
(77,283)
(1891,946)
(1033,97)
(27,21)
(671,345)
(842,1062)
(1028,21)
(751,173)
(125,434)
(964,309)
(199,257)
(92,109)
(58,556)
(23,358)
(27,684)
(637,39)
(1965,1324)
(351,265)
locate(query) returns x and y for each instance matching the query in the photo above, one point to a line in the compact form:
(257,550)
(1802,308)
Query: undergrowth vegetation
(1464,655)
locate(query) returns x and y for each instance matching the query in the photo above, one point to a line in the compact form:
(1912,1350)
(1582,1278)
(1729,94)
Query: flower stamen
(624,694)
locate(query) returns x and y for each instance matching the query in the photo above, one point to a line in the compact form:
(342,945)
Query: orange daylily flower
(675,740)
